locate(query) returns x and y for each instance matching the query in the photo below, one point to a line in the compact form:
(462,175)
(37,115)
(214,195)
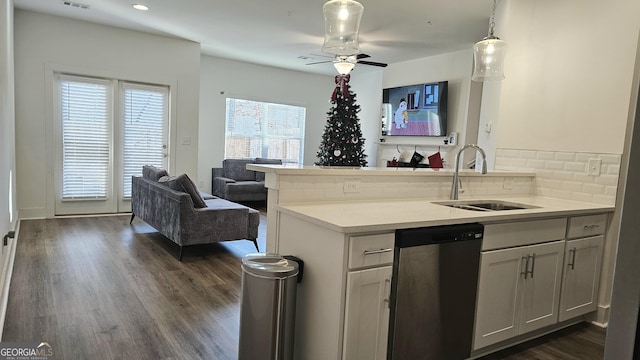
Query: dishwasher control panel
(439,234)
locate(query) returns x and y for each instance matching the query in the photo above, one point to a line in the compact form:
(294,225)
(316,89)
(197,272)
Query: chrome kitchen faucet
(455,187)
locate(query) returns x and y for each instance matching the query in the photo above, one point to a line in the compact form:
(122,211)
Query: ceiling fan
(353,59)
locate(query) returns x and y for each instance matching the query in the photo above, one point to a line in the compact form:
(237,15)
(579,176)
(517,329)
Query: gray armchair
(235,183)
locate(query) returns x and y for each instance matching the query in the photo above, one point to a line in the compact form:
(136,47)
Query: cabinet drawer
(581,226)
(371,250)
(497,236)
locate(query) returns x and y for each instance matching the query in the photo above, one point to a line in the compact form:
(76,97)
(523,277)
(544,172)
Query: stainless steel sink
(485,205)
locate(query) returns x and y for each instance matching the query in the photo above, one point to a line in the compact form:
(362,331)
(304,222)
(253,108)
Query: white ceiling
(278,32)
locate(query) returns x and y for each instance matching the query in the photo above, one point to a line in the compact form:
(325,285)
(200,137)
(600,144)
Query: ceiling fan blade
(362,56)
(372,63)
(320,62)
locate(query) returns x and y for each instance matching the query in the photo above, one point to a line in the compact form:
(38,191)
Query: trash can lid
(269,265)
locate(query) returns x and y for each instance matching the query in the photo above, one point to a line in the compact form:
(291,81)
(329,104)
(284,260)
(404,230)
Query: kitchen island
(342,222)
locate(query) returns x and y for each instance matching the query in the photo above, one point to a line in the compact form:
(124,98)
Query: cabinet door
(541,293)
(498,293)
(581,277)
(366,324)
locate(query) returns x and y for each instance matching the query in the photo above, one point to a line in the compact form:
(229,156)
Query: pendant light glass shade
(341,26)
(488,55)
(488,58)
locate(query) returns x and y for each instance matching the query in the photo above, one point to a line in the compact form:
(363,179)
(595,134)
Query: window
(145,115)
(259,129)
(108,129)
(86,150)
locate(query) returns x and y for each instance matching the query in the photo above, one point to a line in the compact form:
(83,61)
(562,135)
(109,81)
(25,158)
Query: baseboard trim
(601,317)
(7,272)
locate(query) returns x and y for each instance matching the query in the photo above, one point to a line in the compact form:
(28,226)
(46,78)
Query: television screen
(415,110)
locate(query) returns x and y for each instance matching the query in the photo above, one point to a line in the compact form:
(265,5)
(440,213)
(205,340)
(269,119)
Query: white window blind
(85,115)
(260,129)
(145,116)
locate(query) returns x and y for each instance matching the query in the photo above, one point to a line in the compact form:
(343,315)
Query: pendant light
(488,55)
(341,26)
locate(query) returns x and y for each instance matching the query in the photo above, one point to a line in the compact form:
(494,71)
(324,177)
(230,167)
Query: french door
(107,130)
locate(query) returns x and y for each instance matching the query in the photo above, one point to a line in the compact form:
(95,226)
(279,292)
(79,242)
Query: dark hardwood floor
(99,288)
(582,341)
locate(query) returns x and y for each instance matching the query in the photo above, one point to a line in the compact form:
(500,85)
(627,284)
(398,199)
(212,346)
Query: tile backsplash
(565,175)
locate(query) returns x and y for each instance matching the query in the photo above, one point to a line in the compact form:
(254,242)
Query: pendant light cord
(492,22)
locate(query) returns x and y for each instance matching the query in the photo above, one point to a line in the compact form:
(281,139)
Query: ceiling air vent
(76,5)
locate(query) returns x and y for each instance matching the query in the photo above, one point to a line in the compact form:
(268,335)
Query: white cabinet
(518,291)
(366,318)
(366,321)
(520,278)
(583,257)
(541,292)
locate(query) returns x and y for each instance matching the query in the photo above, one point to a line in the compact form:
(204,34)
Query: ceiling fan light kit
(488,55)
(344,66)
(341,27)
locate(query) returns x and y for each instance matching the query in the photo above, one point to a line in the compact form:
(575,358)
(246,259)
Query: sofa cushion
(153,173)
(245,187)
(236,169)
(183,183)
(260,175)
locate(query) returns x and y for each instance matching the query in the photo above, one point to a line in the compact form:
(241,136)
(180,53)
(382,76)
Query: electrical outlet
(453,138)
(507,184)
(594,166)
(351,187)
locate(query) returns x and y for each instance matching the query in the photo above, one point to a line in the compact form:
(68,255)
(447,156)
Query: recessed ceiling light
(140,7)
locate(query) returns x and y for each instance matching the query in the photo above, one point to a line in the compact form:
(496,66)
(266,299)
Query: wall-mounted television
(415,110)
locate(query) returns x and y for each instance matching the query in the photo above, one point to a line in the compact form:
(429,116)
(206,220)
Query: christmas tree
(342,142)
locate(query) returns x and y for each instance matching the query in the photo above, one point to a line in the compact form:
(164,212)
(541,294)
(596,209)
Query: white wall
(45,43)
(8,206)
(8,209)
(625,299)
(221,78)
(568,70)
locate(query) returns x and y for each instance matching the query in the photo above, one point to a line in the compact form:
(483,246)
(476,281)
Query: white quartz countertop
(385,215)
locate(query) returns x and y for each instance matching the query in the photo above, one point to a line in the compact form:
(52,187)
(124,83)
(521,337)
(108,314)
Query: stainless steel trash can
(267,307)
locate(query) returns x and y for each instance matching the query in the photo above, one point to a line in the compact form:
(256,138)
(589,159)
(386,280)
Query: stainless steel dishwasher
(433,292)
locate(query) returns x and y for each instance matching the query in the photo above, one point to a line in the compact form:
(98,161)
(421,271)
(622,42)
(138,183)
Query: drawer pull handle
(380,251)
(573,258)
(591,227)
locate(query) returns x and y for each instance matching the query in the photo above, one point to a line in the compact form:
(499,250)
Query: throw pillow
(153,173)
(184,184)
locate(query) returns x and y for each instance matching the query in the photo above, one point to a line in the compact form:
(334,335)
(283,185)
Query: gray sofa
(234,182)
(176,215)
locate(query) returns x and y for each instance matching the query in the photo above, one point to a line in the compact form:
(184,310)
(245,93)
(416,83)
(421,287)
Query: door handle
(573,258)
(387,291)
(526,266)
(533,264)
